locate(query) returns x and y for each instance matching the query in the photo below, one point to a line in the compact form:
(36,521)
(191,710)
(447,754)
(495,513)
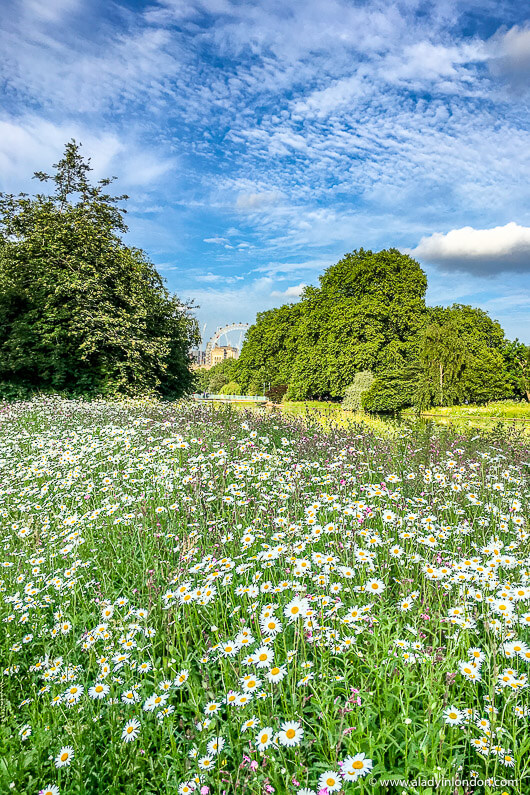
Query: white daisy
(330,781)
(264,738)
(131,730)
(65,756)
(291,733)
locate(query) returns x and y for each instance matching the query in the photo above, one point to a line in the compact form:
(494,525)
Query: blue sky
(260,140)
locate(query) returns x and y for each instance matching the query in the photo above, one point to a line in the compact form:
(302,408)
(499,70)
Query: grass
(200,599)
(501,409)
(331,415)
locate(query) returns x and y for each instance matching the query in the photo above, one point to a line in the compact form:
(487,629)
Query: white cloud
(314,126)
(342,92)
(209,277)
(50,11)
(292,292)
(478,251)
(276,269)
(216,278)
(510,56)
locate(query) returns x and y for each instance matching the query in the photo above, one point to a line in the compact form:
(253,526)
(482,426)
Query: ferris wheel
(223,332)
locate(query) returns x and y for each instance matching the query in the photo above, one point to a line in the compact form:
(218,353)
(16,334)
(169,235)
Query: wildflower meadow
(217,601)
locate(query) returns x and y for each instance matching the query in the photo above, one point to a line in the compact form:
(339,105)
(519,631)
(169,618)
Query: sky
(261,140)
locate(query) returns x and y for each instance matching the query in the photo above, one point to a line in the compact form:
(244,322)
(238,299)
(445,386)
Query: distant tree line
(219,379)
(365,333)
(80,311)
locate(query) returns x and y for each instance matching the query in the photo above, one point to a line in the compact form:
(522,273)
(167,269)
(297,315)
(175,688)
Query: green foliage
(218,376)
(461,359)
(485,378)
(276,393)
(81,312)
(391,391)
(269,350)
(384,277)
(361,384)
(365,316)
(200,379)
(443,358)
(232,388)
(517,364)
(368,314)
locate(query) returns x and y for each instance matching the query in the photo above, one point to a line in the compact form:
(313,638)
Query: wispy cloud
(510,56)
(32,143)
(267,139)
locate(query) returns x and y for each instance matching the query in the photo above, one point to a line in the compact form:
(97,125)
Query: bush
(361,384)
(232,388)
(276,393)
(392,390)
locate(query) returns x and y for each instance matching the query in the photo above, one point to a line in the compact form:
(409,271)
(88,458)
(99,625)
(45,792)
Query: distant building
(198,357)
(222,352)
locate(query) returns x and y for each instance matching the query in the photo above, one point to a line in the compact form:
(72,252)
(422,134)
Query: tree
(523,360)
(269,349)
(368,314)
(517,364)
(79,310)
(443,357)
(461,358)
(485,378)
(364,316)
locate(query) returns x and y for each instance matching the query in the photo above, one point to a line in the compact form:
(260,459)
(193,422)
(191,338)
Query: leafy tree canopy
(364,316)
(368,314)
(79,310)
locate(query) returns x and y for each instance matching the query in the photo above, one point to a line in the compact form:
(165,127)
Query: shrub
(232,388)
(392,390)
(276,393)
(361,384)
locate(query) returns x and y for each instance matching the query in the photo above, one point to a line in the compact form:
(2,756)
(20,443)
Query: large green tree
(461,358)
(517,363)
(368,314)
(270,348)
(79,309)
(365,315)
